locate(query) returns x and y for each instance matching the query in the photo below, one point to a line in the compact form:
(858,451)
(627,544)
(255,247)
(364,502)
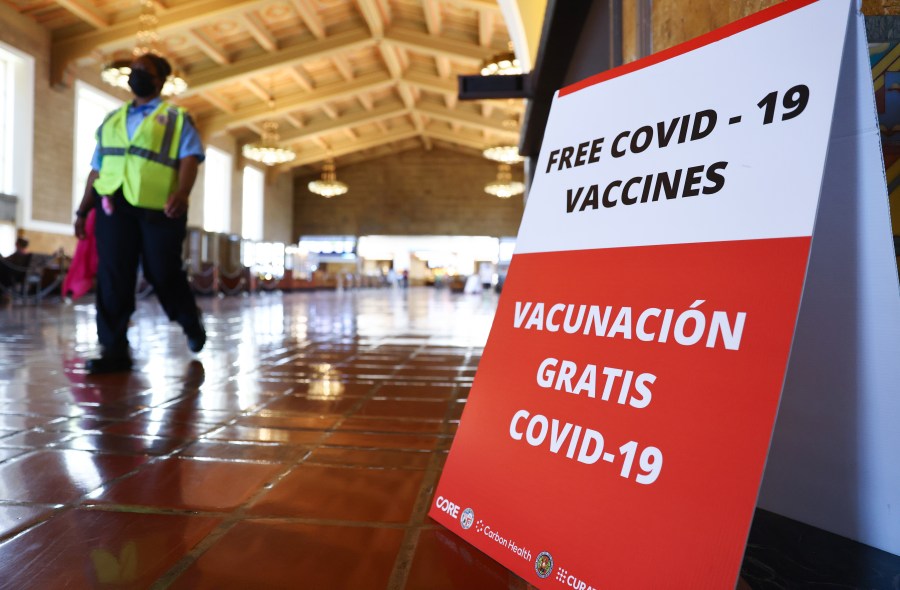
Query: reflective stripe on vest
(145,175)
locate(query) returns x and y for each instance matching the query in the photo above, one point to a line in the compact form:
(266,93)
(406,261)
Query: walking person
(142,172)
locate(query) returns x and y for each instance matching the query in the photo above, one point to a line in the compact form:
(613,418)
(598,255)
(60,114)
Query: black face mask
(142,83)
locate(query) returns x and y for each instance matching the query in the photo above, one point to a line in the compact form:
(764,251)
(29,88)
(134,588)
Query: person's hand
(177,205)
(80,232)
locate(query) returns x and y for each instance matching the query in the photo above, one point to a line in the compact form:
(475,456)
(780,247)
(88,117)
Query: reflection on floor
(300,449)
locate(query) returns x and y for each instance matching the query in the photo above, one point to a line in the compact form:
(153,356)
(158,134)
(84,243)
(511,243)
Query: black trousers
(132,236)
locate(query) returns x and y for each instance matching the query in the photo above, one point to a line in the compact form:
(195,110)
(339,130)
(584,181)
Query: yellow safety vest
(146,166)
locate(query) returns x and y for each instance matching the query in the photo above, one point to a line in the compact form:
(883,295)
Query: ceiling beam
(343,65)
(467,119)
(302,79)
(480,5)
(391,61)
(307,100)
(372,15)
(432,16)
(294,120)
(183,16)
(254,87)
(310,17)
(456,138)
(330,111)
(311,156)
(210,48)
(385,6)
(348,121)
(443,66)
(87,13)
(366,101)
(407,96)
(485,28)
(377,152)
(420,42)
(430,83)
(420,127)
(217,101)
(276,60)
(260,32)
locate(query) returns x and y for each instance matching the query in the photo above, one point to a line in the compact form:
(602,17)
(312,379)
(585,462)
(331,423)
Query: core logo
(543,565)
(445,505)
(467,518)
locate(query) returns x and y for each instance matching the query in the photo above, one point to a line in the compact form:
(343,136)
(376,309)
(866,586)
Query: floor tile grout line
(409,544)
(80,500)
(238,515)
(342,341)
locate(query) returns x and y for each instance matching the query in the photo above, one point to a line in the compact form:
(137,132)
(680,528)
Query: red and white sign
(617,430)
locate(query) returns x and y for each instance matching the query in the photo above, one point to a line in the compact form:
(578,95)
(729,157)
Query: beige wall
(676,21)
(54,120)
(418,192)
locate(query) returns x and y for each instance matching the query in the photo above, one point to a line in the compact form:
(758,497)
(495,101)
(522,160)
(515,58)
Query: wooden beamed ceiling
(349,78)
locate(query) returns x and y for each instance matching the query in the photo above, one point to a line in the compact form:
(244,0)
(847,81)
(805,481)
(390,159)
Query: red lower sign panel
(618,426)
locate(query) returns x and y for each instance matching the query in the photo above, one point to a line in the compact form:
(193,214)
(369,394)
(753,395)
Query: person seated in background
(12,272)
(21,256)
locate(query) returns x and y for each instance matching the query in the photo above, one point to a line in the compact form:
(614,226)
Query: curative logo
(563,576)
(543,565)
(479,526)
(467,518)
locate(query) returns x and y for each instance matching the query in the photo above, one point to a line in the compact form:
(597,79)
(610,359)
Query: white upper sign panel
(716,144)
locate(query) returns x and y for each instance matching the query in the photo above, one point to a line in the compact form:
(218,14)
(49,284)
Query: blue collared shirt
(190,140)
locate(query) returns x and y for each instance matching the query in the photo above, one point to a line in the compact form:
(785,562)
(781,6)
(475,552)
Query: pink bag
(83,269)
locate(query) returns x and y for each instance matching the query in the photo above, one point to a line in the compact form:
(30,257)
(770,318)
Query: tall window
(6,88)
(252,208)
(16,124)
(91,107)
(217,191)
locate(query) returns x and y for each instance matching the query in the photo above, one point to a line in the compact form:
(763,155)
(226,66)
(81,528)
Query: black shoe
(196,338)
(108,364)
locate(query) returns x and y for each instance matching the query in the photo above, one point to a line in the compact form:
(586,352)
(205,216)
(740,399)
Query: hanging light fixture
(502,64)
(116,72)
(328,186)
(504,187)
(266,150)
(505,153)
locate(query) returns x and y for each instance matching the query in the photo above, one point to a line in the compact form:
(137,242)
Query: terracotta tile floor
(300,449)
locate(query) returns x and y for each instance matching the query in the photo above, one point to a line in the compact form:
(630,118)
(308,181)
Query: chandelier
(506,153)
(504,186)
(502,64)
(328,186)
(116,72)
(266,150)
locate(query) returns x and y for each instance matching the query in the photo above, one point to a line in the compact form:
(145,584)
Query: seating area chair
(41,278)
